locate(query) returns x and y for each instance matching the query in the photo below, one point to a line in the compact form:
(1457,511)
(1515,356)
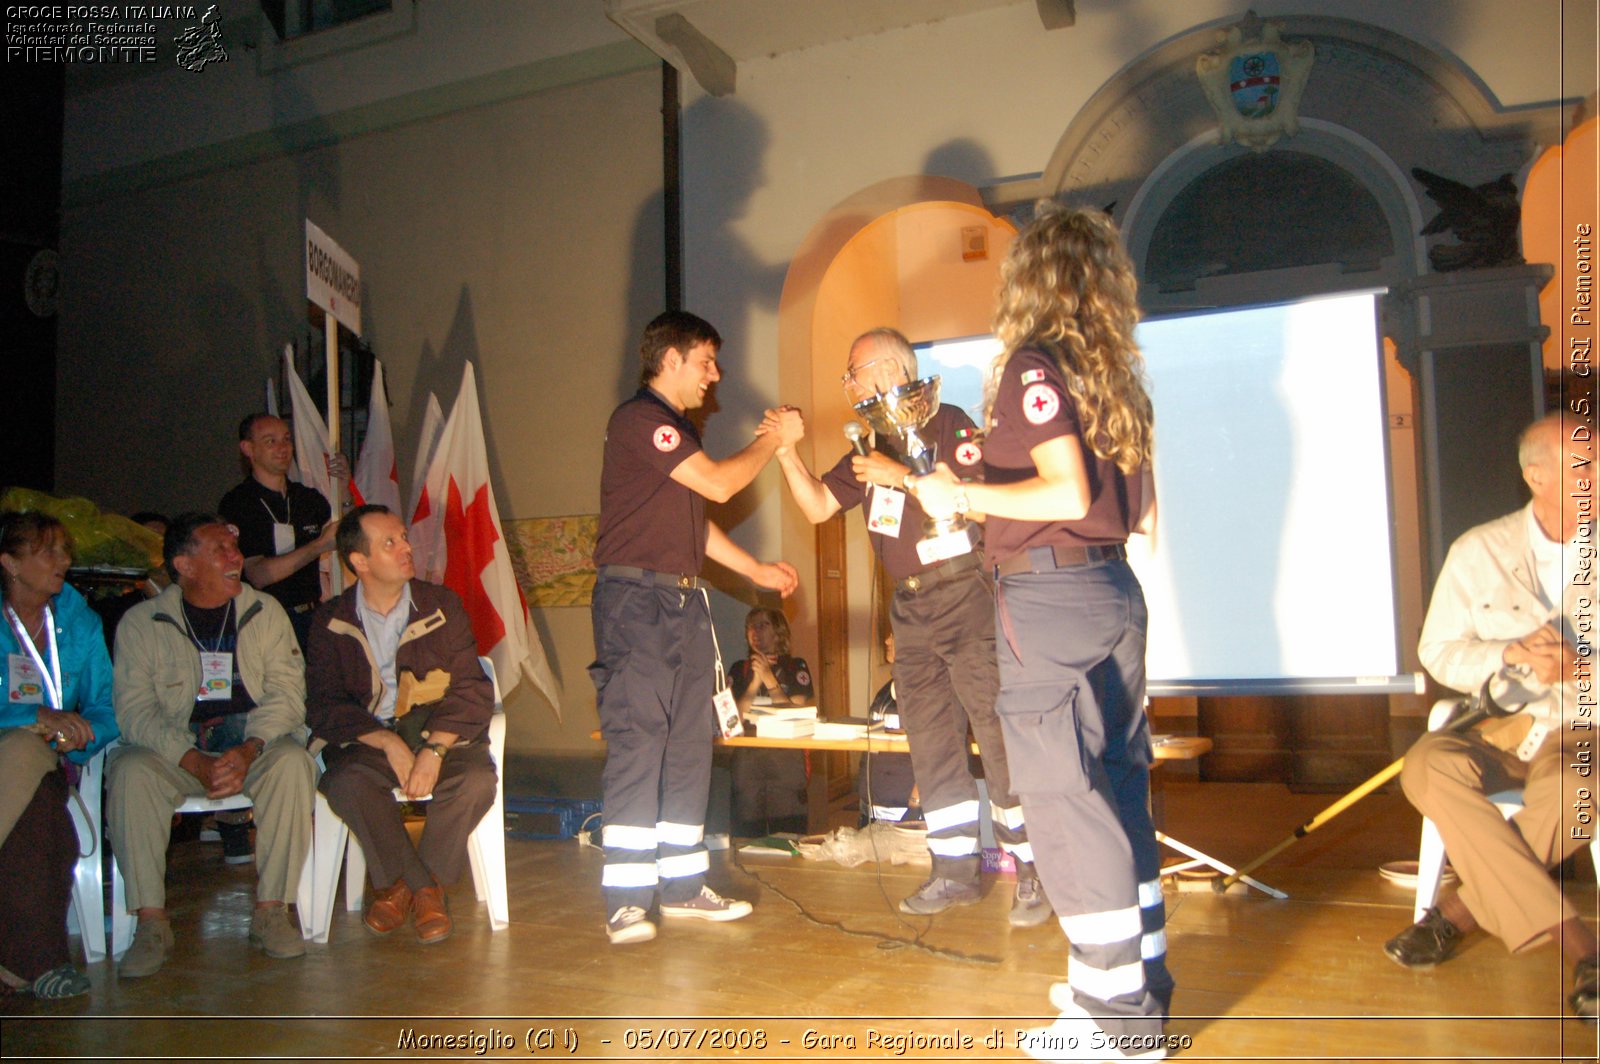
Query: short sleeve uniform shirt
(647,519)
(954,438)
(1032,406)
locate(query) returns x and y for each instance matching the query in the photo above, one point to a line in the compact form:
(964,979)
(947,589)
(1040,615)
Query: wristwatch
(439,749)
(963,504)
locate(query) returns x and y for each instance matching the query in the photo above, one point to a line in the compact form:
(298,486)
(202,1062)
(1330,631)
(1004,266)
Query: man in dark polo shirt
(945,674)
(654,653)
(284,526)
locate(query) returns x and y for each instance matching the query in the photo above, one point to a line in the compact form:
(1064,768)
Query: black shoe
(236,846)
(1585,997)
(1425,943)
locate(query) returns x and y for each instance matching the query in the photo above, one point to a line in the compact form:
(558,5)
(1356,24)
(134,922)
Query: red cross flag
(376,478)
(469,556)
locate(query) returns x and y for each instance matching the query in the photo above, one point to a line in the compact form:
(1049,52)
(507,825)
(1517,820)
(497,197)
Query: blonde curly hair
(1068,288)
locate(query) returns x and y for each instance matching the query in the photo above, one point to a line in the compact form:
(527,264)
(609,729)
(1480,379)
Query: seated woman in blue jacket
(57,680)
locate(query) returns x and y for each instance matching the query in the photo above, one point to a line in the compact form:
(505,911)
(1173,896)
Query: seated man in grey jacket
(398,694)
(210,697)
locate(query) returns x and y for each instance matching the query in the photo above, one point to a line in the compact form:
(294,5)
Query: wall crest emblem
(1254,81)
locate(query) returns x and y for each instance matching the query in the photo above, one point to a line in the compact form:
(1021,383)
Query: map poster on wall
(554,558)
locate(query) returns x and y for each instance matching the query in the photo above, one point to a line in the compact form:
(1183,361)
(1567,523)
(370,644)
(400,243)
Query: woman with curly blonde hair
(1066,481)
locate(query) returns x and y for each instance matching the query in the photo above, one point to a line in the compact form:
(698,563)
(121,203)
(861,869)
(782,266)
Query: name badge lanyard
(222,632)
(288,510)
(50,677)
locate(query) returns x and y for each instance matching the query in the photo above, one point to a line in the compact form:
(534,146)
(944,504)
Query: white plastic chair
(333,846)
(88,881)
(122,921)
(1430,854)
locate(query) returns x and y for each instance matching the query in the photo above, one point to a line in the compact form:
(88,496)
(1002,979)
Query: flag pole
(331,334)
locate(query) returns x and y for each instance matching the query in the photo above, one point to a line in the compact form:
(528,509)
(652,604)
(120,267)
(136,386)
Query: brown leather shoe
(389,908)
(429,915)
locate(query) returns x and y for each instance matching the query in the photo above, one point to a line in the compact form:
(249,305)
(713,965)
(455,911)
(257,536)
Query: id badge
(216,677)
(888,506)
(727,710)
(282,538)
(23,684)
(944,547)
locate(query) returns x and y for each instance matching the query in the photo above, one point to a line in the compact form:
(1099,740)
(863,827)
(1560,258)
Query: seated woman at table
(57,678)
(769,786)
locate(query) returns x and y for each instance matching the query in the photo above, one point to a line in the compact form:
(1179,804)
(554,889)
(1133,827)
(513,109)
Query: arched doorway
(918,254)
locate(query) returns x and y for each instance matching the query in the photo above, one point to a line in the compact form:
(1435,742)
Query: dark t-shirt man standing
(284,526)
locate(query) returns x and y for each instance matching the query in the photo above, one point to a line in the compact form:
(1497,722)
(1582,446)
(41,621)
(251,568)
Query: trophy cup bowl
(902,413)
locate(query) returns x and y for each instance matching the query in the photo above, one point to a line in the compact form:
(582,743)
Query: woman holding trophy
(1066,481)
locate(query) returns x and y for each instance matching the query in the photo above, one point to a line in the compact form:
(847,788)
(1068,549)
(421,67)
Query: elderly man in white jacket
(1513,611)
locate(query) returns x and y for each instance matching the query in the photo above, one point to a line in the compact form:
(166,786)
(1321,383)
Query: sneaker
(152,945)
(1061,997)
(236,846)
(939,894)
(707,905)
(1585,989)
(629,924)
(63,982)
(1425,943)
(1075,1036)
(1029,908)
(271,930)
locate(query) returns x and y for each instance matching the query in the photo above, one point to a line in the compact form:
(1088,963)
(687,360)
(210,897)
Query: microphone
(852,432)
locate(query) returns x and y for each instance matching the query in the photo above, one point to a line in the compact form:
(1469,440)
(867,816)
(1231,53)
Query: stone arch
(1376,105)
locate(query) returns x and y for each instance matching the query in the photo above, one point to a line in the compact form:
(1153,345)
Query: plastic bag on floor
(878,841)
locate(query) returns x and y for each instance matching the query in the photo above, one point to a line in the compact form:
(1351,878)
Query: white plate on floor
(1404,873)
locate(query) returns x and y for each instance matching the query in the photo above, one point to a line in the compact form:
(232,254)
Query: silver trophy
(902,413)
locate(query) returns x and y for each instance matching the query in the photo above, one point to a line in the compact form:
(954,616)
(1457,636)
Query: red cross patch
(1040,403)
(666,438)
(969,453)
(803,678)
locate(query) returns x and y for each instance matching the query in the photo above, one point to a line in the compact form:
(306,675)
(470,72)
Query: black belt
(682,581)
(1044,559)
(944,571)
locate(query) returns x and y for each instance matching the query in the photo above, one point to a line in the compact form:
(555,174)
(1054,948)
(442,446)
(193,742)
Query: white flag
(377,477)
(425,526)
(310,444)
(470,555)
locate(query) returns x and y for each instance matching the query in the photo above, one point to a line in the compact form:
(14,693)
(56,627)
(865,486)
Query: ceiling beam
(713,68)
(1057,14)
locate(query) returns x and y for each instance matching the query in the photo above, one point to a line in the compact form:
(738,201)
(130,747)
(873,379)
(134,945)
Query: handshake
(784,423)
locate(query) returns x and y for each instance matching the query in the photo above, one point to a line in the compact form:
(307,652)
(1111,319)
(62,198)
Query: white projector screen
(1273,567)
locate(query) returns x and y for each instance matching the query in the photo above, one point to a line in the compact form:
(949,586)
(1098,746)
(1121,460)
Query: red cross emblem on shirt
(666,438)
(1040,403)
(969,454)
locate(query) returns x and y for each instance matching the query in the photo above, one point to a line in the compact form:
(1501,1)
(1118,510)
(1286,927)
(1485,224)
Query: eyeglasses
(851,375)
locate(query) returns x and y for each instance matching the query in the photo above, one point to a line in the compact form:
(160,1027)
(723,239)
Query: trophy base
(941,546)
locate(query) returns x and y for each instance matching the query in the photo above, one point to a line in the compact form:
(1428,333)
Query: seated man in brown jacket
(395,688)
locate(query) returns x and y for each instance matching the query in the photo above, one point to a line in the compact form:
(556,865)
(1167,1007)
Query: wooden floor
(826,952)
